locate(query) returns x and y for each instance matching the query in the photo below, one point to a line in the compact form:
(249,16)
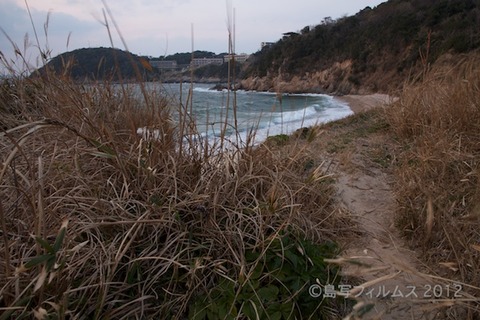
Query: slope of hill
(184,58)
(374,50)
(101,64)
(114,64)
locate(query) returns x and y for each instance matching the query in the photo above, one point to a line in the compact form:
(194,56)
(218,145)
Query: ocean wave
(298,115)
(292,120)
(260,111)
(209,90)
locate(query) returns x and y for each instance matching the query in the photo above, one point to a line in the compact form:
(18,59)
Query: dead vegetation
(437,125)
(113,206)
(100,221)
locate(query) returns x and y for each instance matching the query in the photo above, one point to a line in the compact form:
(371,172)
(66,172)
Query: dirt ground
(393,282)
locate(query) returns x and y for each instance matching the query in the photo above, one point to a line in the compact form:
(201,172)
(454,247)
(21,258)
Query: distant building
(238,57)
(164,64)
(266,44)
(198,62)
(290,34)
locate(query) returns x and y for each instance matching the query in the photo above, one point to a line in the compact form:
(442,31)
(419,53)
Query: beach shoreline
(361,103)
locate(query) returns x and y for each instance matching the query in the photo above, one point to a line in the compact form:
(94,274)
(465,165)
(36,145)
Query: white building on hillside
(238,57)
(198,62)
(164,65)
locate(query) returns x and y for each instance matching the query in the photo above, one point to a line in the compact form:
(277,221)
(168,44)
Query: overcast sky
(162,27)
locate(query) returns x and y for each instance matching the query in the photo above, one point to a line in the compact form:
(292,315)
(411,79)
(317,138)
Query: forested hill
(374,50)
(100,64)
(115,64)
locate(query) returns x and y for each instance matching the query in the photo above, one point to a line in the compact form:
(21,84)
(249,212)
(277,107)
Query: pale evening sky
(162,27)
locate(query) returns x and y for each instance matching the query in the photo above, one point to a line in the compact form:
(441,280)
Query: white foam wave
(254,112)
(292,116)
(294,120)
(208,90)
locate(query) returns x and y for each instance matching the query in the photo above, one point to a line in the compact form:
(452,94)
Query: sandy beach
(359,103)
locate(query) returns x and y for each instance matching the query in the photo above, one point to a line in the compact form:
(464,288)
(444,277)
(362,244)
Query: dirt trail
(383,255)
(392,284)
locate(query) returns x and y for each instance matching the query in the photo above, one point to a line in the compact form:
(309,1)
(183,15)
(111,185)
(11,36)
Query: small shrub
(278,140)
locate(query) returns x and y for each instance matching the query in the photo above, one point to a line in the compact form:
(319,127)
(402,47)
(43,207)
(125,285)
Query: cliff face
(330,80)
(375,50)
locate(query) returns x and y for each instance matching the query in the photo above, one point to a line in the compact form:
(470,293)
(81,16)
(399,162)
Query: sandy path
(392,284)
(397,288)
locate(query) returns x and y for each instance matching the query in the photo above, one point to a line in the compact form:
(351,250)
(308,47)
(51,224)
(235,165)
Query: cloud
(83,10)
(56,32)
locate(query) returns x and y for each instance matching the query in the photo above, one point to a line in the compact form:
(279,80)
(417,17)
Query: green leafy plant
(48,260)
(278,140)
(277,285)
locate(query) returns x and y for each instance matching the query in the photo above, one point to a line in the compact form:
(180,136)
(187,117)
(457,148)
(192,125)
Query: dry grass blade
(6,243)
(373,282)
(19,143)
(430,219)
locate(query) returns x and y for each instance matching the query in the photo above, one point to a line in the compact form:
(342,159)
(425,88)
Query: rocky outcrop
(333,80)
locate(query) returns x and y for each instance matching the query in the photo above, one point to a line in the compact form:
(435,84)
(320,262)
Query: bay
(264,113)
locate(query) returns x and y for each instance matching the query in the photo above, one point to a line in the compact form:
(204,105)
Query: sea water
(263,113)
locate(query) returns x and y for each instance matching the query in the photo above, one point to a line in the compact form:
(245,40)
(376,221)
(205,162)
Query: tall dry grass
(437,121)
(98,221)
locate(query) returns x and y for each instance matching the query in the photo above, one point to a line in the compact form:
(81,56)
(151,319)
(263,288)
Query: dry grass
(98,221)
(153,221)
(437,122)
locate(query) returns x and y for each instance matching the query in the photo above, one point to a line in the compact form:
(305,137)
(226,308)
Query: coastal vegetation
(101,220)
(436,123)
